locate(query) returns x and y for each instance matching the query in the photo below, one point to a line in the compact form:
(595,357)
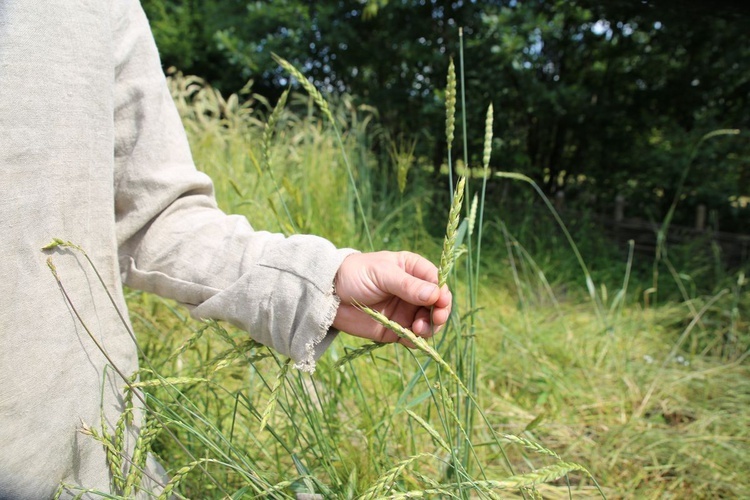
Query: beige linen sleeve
(174,241)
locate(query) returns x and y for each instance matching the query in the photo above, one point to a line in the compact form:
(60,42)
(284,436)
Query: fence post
(559,200)
(700,217)
(619,208)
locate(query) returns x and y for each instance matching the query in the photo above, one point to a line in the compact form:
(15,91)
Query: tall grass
(535,388)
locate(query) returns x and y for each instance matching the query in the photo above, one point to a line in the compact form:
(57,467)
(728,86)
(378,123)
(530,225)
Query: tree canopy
(594,98)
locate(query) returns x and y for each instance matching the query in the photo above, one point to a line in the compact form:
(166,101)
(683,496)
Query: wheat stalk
(430,430)
(450,105)
(323,105)
(448,400)
(487,139)
(428,493)
(403,157)
(447,259)
(271,126)
(487,153)
(473,213)
(114,453)
(69,488)
(275,488)
(448,255)
(419,342)
(129,393)
(267,133)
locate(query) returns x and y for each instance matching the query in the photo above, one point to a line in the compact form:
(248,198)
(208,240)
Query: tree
(594,98)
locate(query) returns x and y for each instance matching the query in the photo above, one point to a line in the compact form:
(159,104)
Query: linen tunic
(92,151)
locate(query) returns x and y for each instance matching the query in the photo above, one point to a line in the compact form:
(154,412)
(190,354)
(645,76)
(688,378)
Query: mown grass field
(575,382)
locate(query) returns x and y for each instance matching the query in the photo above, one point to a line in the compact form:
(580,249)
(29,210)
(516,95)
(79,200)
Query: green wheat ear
(450,104)
(309,87)
(448,256)
(487,139)
(473,213)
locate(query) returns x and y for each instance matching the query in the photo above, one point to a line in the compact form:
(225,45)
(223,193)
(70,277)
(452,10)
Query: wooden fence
(734,248)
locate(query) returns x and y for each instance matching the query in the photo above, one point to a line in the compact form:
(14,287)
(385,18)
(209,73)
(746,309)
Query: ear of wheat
(448,255)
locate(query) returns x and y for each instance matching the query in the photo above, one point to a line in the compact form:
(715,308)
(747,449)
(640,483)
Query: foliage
(609,99)
(593,98)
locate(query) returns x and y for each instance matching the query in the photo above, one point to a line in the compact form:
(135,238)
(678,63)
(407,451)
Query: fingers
(411,278)
(421,325)
(401,285)
(353,321)
(372,277)
(426,326)
(418,266)
(445,299)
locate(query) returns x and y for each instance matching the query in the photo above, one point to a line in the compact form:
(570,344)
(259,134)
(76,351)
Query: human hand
(401,285)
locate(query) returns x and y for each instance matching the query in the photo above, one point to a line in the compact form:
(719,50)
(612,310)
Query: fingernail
(426,292)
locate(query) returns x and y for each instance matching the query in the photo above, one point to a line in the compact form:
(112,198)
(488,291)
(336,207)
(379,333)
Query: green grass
(562,372)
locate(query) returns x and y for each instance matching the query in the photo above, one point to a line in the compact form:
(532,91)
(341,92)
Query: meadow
(568,369)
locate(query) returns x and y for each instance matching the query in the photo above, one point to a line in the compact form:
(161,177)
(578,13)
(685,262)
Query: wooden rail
(734,248)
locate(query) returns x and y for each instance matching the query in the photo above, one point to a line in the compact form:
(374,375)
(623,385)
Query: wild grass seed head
(403,156)
(271,126)
(356,353)
(531,445)
(271,406)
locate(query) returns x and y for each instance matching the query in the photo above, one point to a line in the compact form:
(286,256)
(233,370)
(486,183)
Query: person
(92,151)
